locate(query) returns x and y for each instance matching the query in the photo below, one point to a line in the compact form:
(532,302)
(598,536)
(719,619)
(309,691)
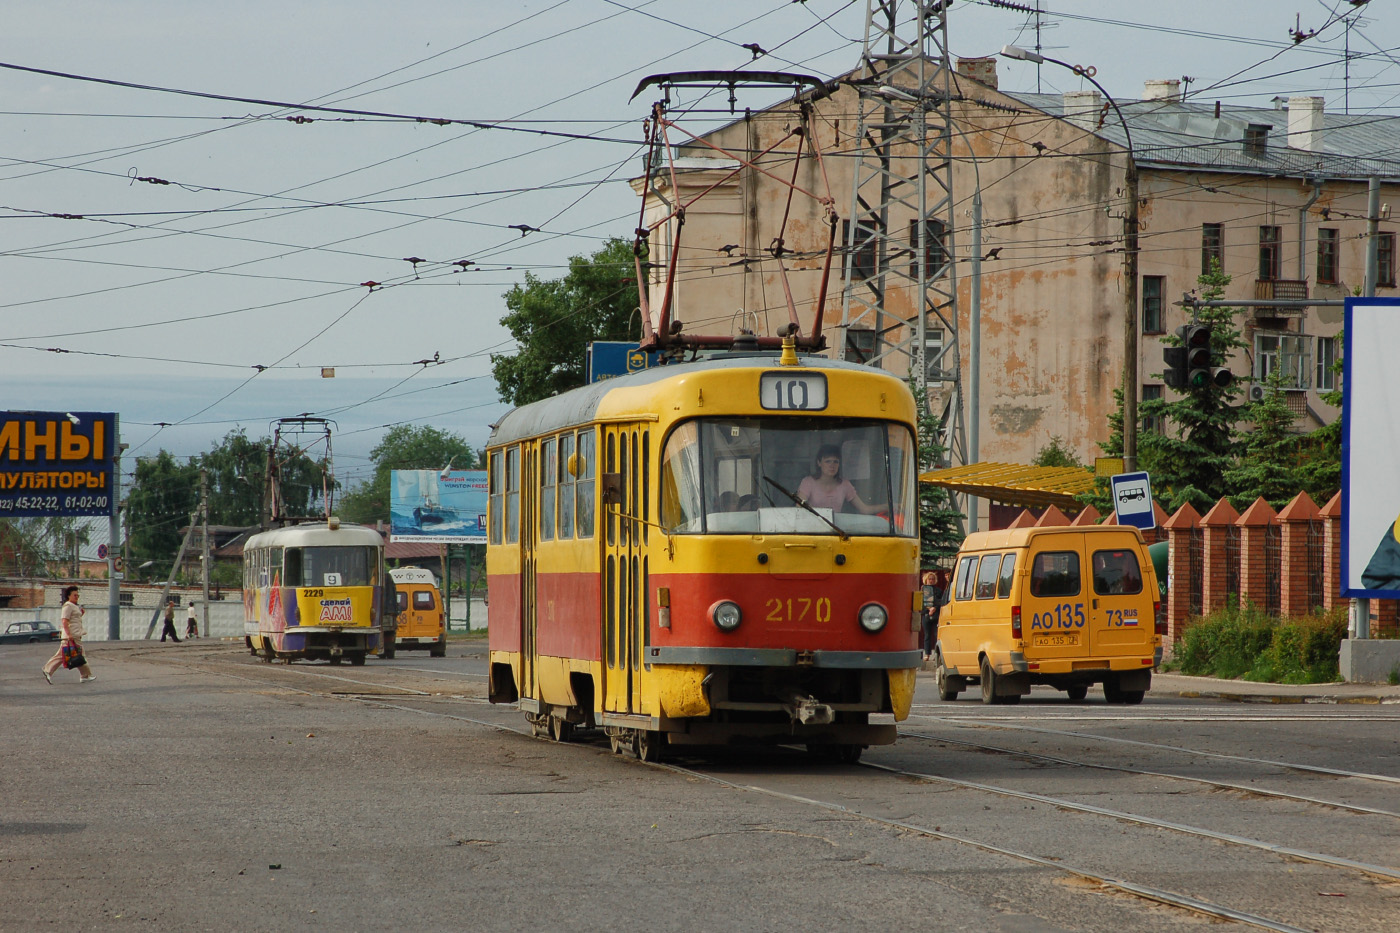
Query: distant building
(1278,196)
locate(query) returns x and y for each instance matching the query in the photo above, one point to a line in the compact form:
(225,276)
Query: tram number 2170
(792,391)
(800,609)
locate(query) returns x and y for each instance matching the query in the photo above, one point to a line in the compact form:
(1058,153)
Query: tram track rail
(1159,746)
(1122,885)
(1125,769)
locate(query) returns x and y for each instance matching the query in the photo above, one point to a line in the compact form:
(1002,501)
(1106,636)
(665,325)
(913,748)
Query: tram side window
(549,469)
(512,495)
(963,587)
(585,486)
(680,480)
(566,487)
(1055,573)
(497,496)
(987,576)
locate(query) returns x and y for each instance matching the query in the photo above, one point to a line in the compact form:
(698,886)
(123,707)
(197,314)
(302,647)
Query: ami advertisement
(438,507)
(56,463)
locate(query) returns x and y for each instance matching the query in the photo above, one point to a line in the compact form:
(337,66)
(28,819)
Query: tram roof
(315,534)
(580,406)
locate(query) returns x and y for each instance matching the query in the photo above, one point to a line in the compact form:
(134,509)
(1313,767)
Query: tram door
(528,617)
(623,572)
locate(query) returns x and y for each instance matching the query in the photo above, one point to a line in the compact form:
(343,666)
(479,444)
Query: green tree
(554,321)
(1056,454)
(404,447)
(1268,458)
(162,497)
(237,468)
(1189,457)
(940,522)
(1101,496)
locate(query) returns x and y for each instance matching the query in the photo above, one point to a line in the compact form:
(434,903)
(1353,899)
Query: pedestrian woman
(933,595)
(191,622)
(71,622)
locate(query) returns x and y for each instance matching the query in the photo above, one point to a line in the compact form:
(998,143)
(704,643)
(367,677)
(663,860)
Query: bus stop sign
(1132,500)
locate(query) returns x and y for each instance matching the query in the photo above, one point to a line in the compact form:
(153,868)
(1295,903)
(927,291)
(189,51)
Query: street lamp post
(1130,260)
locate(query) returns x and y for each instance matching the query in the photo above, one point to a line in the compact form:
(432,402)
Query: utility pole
(114,530)
(902,202)
(204,558)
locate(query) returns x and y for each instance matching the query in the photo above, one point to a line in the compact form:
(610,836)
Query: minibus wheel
(1077,691)
(948,690)
(989,683)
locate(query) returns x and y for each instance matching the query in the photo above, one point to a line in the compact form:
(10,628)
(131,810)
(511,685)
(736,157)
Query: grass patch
(1245,642)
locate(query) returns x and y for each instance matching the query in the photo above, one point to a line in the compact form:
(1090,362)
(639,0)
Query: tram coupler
(807,711)
(337,651)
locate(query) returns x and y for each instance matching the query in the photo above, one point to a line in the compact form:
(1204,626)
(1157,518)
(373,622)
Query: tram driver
(826,488)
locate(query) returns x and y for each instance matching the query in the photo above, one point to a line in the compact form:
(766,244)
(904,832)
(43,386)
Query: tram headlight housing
(726,615)
(873,617)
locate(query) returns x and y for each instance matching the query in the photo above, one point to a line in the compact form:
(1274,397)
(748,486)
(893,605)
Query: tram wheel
(357,658)
(1077,691)
(267,654)
(336,658)
(539,725)
(849,754)
(648,744)
(616,743)
(561,729)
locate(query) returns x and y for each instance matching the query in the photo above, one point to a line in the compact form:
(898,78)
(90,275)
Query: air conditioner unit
(1256,393)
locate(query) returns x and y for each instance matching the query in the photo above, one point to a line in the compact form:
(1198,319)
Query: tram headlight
(726,615)
(873,617)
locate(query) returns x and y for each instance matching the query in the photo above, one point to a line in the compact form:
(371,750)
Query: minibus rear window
(422,599)
(1117,573)
(987,576)
(1055,573)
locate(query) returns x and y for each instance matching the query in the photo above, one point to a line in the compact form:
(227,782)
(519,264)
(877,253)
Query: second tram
(313,591)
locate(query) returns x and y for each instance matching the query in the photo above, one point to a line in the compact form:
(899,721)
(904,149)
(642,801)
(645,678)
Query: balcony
(1280,290)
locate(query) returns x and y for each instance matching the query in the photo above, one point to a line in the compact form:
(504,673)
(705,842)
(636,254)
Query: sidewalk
(1242,691)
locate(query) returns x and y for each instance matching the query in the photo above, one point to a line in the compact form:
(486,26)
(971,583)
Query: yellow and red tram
(662,565)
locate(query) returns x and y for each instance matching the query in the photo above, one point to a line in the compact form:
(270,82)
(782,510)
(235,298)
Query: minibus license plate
(1058,641)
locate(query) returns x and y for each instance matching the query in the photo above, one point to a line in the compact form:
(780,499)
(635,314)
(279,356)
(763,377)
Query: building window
(935,255)
(1327,256)
(936,367)
(1284,352)
(1385,260)
(1152,423)
(862,252)
(1326,359)
(1152,288)
(1256,140)
(1270,253)
(860,345)
(1212,247)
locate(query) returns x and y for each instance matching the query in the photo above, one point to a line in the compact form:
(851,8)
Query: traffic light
(1191,365)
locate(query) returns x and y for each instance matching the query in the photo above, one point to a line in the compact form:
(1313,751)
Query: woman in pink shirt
(826,489)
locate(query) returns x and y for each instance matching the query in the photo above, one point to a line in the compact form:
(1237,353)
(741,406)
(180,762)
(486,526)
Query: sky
(211,257)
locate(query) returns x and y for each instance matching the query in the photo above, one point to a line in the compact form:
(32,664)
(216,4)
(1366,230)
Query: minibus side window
(964,584)
(1055,573)
(1116,573)
(987,576)
(1008,576)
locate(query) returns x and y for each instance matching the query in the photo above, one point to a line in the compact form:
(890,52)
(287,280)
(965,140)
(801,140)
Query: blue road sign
(609,358)
(1132,500)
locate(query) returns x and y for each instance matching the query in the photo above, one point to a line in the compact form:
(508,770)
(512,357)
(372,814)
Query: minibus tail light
(1015,621)
(1159,625)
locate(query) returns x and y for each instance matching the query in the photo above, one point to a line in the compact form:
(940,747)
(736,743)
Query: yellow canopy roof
(1016,484)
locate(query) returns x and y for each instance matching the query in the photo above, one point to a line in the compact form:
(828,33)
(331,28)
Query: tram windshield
(331,566)
(789,475)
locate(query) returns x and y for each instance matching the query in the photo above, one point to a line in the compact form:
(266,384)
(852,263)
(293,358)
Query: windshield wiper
(802,502)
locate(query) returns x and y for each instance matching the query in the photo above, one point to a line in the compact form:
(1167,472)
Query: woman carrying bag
(70,649)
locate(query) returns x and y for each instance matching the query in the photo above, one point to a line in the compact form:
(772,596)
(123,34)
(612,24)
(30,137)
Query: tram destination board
(56,463)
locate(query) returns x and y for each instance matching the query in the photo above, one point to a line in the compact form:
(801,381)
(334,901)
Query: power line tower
(899,309)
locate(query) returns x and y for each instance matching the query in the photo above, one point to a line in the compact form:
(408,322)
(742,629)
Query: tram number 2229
(798,610)
(1063,615)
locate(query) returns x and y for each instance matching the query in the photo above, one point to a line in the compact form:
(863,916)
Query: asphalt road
(192,787)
